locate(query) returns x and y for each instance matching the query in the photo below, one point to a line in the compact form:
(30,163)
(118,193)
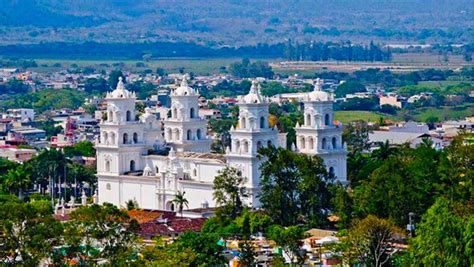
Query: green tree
(290,239)
(369,242)
(17,180)
(101,232)
(229,191)
(29,232)
(83,148)
(248,255)
(205,246)
(349,87)
(294,187)
(442,237)
(180,201)
(114,78)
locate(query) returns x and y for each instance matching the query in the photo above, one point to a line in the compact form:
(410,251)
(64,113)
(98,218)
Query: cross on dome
(120,91)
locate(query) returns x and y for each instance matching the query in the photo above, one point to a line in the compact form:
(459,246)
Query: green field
(443,113)
(198,66)
(346,116)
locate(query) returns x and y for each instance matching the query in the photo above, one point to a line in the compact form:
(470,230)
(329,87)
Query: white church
(131,167)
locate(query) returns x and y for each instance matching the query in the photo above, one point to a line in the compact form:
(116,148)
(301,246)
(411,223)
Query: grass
(346,116)
(444,113)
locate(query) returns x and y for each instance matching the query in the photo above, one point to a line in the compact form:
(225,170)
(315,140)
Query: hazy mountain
(235,22)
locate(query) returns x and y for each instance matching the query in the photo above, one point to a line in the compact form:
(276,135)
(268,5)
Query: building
(136,161)
(319,135)
(392,100)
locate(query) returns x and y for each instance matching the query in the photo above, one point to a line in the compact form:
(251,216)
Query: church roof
(318,94)
(120,91)
(199,155)
(184,88)
(254,96)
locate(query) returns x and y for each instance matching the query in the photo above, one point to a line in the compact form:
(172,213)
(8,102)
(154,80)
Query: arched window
(269,143)
(110,117)
(331,171)
(135,138)
(191,113)
(172,207)
(112,138)
(334,143)
(310,143)
(105,137)
(246,146)
(125,138)
(237,146)
(132,165)
(326,119)
(244,123)
(176,134)
(323,143)
(189,135)
(259,145)
(169,134)
(108,187)
(129,115)
(262,122)
(195,172)
(157,170)
(198,134)
(107,166)
(308,119)
(302,142)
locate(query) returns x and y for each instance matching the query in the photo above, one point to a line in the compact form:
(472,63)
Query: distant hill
(220,23)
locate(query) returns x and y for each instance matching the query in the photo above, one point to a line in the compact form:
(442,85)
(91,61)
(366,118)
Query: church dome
(120,91)
(184,88)
(254,96)
(318,94)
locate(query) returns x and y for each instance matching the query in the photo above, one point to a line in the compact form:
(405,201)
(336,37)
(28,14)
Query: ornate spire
(318,86)
(120,86)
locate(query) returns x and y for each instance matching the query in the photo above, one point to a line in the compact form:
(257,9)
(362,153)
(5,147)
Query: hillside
(236,23)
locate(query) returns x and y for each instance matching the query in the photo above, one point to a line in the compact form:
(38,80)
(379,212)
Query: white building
(131,164)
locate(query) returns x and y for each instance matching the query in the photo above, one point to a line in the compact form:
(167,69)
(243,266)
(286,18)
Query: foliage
(349,87)
(101,232)
(205,246)
(114,78)
(14,86)
(248,255)
(443,237)
(83,148)
(180,201)
(230,191)
(142,89)
(294,187)
(289,238)
(369,242)
(29,232)
(246,69)
(96,86)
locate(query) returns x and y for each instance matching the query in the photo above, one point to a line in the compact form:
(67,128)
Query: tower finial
(120,83)
(318,85)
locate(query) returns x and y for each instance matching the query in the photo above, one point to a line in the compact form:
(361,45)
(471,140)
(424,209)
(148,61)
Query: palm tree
(180,201)
(17,180)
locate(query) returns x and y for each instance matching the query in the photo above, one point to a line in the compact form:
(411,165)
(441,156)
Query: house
(392,100)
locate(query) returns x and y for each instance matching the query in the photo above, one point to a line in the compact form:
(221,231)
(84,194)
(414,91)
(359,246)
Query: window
(189,135)
(331,171)
(108,187)
(198,134)
(244,123)
(107,166)
(132,165)
(129,115)
(135,138)
(269,143)
(110,117)
(157,170)
(326,119)
(308,119)
(310,143)
(176,134)
(194,172)
(237,146)
(125,138)
(169,134)
(334,143)
(191,113)
(105,137)
(246,146)
(323,144)
(259,145)
(112,138)
(262,122)
(302,142)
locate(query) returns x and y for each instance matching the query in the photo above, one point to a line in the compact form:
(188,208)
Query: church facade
(131,164)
